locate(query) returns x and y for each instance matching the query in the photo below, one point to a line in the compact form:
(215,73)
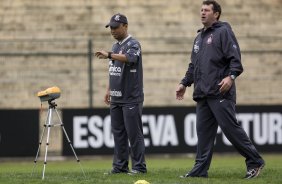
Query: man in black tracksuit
(215,63)
(125,96)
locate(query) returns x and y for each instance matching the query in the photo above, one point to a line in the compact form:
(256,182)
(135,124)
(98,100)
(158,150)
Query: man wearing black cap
(125,97)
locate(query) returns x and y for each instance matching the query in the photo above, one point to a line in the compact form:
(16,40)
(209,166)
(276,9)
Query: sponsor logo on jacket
(116,93)
(114,70)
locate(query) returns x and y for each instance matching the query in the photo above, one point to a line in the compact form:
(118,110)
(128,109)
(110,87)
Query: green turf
(224,169)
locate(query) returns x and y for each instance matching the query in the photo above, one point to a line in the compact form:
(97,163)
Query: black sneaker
(188,175)
(136,172)
(254,172)
(115,172)
(185,175)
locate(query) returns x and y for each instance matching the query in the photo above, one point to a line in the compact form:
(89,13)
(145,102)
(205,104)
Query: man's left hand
(225,84)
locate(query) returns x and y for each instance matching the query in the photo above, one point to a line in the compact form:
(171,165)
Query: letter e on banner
(79,131)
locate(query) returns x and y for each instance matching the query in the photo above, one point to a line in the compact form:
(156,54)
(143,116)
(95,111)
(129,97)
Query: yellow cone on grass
(141,182)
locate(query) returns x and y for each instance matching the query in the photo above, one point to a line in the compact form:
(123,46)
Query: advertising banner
(19,131)
(170,130)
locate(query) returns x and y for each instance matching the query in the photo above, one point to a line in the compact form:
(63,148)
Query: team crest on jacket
(209,40)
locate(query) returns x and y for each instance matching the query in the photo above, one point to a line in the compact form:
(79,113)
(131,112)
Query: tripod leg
(65,132)
(47,142)
(40,142)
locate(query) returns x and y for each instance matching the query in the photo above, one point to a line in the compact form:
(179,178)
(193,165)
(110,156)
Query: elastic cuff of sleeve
(183,84)
(233,73)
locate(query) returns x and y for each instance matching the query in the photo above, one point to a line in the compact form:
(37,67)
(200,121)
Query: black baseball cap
(116,20)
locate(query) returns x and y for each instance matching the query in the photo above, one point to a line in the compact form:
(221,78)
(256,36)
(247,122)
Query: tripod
(49,125)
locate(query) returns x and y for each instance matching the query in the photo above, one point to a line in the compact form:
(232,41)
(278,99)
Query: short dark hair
(216,6)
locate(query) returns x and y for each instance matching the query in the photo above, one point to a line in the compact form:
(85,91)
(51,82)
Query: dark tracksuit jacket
(126,91)
(126,79)
(215,55)
(222,56)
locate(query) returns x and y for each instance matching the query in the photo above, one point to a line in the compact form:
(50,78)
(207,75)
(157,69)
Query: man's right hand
(180,91)
(101,54)
(107,98)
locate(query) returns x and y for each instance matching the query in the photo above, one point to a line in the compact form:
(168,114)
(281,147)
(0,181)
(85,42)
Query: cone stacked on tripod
(49,94)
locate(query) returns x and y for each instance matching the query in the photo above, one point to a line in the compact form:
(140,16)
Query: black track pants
(212,113)
(126,122)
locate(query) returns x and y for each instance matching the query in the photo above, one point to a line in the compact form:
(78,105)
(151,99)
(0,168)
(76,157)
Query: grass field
(224,169)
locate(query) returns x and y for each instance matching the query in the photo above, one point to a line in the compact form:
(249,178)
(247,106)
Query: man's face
(120,32)
(208,17)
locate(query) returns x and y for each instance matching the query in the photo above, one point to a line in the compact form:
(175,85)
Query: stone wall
(44,43)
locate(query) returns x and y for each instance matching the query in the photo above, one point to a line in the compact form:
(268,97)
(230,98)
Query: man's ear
(216,15)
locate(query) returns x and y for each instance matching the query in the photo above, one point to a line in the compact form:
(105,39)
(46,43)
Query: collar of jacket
(214,25)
